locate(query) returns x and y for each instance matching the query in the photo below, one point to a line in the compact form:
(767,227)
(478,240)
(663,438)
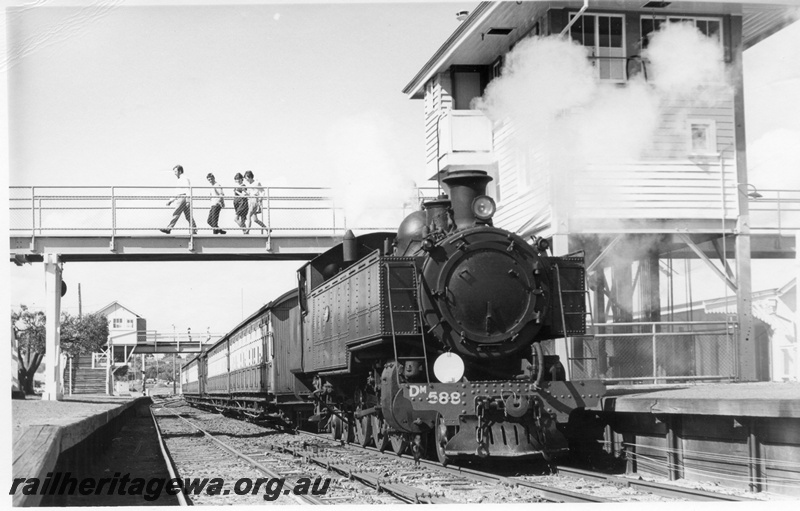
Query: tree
(85,334)
(30,332)
(165,367)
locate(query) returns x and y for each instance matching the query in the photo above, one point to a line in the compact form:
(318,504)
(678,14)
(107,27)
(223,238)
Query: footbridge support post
(52,289)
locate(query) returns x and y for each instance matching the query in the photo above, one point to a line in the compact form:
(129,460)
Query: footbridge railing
(656,352)
(139,211)
(774,211)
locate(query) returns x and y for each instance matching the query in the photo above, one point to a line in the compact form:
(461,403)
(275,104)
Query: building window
(788,361)
(710,27)
(117,323)
(702,136)
(604,38)
(497,67)
(129,323)
(524,169)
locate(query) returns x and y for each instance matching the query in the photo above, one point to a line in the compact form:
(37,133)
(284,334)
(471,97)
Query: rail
(142,210)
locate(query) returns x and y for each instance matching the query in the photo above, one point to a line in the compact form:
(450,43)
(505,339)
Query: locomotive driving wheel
(380,432)
(441,437)
(336,426)
(399,442)
(362,428)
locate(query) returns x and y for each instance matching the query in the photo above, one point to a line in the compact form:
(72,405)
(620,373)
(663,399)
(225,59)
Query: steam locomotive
(430,337)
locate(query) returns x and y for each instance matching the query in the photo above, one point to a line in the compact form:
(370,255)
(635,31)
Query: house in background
(92,373)
(774,311)
(125,329)
(683,195)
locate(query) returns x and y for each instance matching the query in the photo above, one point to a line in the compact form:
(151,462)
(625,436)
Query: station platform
(742,435)
(44,430)
(762,399)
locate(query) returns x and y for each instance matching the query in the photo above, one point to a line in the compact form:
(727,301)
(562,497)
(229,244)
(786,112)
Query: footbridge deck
(125,223)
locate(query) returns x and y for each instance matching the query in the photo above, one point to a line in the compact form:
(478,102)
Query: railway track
(377,474)
(196,452)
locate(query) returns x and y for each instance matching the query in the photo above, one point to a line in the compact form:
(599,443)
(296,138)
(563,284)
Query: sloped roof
(470,44)
(102,310)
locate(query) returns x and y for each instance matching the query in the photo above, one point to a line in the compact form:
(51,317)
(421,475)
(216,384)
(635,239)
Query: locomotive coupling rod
(367,411)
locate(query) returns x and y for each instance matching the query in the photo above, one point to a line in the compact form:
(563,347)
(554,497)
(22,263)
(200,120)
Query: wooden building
(584,162)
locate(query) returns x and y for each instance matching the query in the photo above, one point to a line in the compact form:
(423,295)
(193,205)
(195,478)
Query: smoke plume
(367,181)
(549,90)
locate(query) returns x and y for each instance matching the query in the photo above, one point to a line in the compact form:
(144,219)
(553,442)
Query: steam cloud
(368,182)
(548,89)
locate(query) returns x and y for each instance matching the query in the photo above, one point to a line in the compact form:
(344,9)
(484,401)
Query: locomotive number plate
(433,397)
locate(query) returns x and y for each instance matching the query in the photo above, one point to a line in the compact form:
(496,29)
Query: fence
(656,352)
(774,211)
(131,211)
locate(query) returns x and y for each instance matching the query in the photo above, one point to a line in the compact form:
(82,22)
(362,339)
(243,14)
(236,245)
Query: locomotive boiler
(429,336)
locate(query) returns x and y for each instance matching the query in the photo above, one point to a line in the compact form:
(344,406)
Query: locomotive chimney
(349,248)
(464,186)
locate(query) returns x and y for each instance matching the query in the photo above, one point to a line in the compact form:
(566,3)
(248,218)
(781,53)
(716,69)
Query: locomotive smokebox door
(485,292)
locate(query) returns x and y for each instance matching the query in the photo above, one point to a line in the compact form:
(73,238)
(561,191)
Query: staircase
(84,379)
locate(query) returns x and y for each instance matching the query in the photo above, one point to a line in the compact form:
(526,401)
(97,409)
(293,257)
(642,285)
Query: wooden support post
(629,447)
(746,350)
(674,446)
(797,309)
(754,459)
(52,289)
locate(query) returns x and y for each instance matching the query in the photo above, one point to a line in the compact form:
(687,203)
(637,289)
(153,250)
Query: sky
(118,92)
(118,95)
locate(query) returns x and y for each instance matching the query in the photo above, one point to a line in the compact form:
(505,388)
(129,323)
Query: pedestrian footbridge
(123,223)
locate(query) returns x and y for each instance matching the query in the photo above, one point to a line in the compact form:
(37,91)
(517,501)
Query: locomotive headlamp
(448,368)
(483,207)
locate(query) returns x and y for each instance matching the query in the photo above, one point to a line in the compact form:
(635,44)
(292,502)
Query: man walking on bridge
(217,203)
(183,199)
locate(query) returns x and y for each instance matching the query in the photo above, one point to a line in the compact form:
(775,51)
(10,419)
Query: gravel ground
(264,444)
